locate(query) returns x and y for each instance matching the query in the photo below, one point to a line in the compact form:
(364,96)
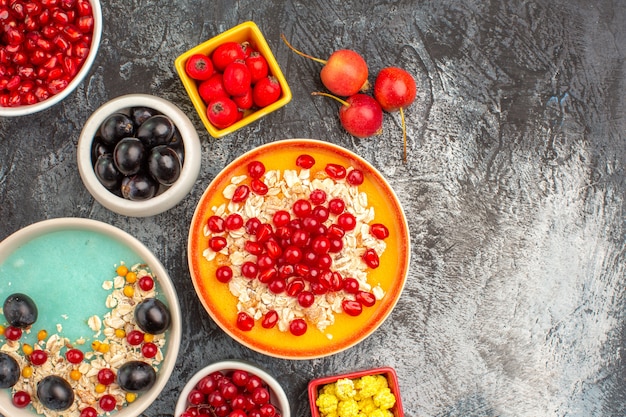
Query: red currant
(21,399)
(302,208)
(149,350)
(195,397)
(74,356)
(106,376)
(134,337)
(355,177)
(107,402)
(146,283)
(336,206)
(249,269)
(317,196)
(89,412)
(267,410)
(240,377)
(12,333)
(351,285)
(346,221)
(260,396)
(38,357)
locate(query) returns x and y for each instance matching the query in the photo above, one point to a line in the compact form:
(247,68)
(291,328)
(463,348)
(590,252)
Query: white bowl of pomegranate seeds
(232,388)
(47,50)
(139,155)
(299,249)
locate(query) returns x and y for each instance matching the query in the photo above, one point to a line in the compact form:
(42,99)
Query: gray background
(514,188)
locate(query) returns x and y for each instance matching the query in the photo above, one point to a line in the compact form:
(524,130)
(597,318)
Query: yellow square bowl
(244,32)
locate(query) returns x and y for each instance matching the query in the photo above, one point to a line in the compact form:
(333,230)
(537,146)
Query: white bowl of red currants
(48,50)
(232,388)
(139,155)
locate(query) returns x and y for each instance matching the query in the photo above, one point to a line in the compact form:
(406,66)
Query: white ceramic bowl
(97,232)
(277,395)
(161,202)
(80,75)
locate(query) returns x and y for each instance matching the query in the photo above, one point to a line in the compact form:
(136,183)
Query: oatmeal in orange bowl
(299,249)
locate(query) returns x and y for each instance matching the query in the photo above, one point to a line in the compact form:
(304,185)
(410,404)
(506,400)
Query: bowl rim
(170,197)
(33,230)
(197,221)
(392,380)
(80,76)
(275,70)
(276,390)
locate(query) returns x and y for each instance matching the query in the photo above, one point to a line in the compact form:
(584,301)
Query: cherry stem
(319,93)
(403,134)
(321,61)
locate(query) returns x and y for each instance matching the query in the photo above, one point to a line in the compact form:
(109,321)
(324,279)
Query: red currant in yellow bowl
(47,51)
(299,249)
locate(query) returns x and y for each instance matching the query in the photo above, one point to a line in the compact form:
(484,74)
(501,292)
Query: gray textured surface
(514,188)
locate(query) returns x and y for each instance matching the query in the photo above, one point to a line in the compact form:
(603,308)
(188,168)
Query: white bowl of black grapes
(139,155)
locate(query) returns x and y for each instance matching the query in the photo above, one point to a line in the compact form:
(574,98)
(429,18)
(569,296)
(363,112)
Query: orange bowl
(346,330)
(245,32)
(389,374)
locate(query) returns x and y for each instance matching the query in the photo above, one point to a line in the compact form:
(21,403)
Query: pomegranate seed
(335,171)
(241,193)
(270,319)
(306,299)
(85,24)
(258,187)
(283,233)
(324,261)
(366,298)
(285,271)
(346,221)
(265,262)
(336,206)
(305,161)
(300,238)
(216,224)
(57,85)
(292,254)
(351,285)
(277,285)
(59,16)
(18,10)
(336,245)
(301,270)
(224,273)
(295,287)
(334,231)
(317,196)
(371,258)
(379,231)
(83,7)
(320,245)
(355,177)
(264,232)
(298,327)
(233,221)
(73,33)
(318,289)
(253,248)
(281,218)
(273,249)
(249,270)
(351,307)
(14,36)
(256,169)
(217,243)
(252,225)
(244,321)
(32,9)
(267,275)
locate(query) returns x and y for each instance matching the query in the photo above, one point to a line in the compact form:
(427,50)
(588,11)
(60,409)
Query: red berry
(240,378)
(346,221)
(371,258)
(89,412)
(223,112)
(336,206)
(351,285)
(233,221)
(21,399)
(237,78)
(212,88)
(12,333)
(107,402)
(317,196)
(306,299)
(74,356)
(134,337)
(199,67)
(355,177)
(257,64)
(267,410)
(256,169)
(260,396)
(195,397)
(38,357)
(226,53)
(106,376)
(149,350)
(266,91)
(146,283)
